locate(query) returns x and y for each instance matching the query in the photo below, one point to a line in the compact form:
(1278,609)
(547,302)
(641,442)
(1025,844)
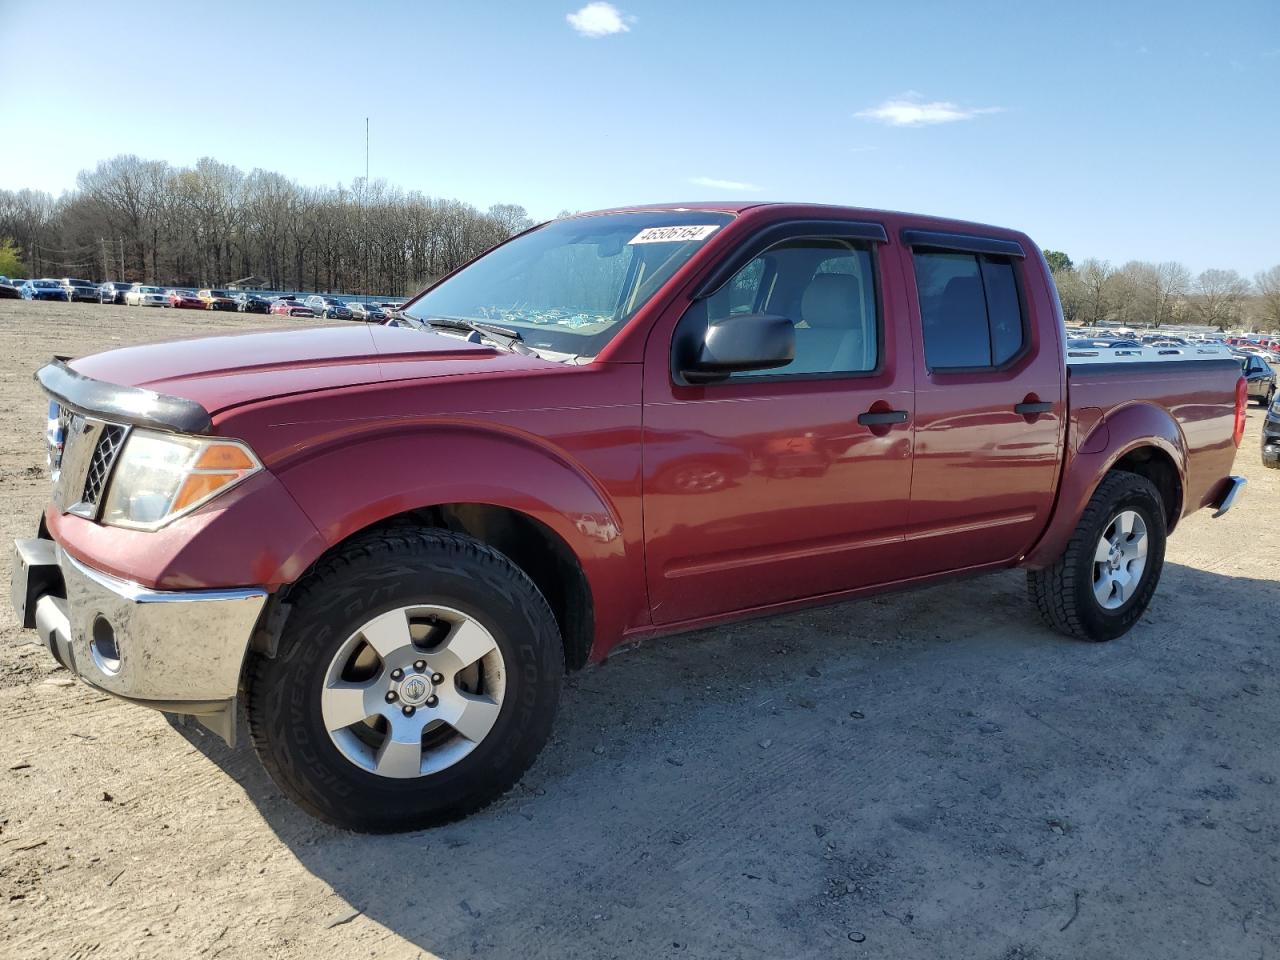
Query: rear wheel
(416,680)
(1102,583)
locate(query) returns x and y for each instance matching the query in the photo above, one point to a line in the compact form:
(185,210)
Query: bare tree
(512,217)
(1171,282)
(1219,296)
(1267,284)
(1071,294)
(1095,278)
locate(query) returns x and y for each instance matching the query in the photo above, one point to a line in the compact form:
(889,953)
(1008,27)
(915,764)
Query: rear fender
(359,482)
(1123,431)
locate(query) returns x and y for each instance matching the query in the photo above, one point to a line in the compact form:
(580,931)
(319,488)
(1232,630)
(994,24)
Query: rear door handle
(1039,406)
(881,417)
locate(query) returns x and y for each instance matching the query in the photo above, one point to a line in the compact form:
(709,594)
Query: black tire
(1063,592)
(360,580)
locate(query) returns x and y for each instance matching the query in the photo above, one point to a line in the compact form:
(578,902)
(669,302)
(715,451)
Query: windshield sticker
(674,234)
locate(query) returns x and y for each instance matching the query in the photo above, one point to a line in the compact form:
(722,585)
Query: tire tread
(1053,589)
(344,562)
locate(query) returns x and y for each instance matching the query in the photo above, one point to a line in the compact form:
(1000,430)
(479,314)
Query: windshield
(570,286)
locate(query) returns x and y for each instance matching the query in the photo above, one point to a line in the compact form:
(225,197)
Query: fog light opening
(106,654)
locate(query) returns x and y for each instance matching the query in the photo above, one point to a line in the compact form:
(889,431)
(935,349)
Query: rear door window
(970,310)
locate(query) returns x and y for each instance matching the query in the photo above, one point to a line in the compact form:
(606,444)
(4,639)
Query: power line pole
(106,270)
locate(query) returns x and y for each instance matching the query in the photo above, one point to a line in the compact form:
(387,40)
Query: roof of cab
(802,209)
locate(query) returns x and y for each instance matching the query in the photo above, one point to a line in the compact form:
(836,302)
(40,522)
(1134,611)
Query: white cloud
(600,20)
(735,185)
(912,110)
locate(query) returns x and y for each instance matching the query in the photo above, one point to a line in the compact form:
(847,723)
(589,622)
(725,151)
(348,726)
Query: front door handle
(1028,408)
(879,418)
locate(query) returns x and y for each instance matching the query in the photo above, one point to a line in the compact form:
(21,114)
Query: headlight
(161,476)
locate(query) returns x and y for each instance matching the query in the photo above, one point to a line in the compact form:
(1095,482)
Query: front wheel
(416,680)
(1101,585)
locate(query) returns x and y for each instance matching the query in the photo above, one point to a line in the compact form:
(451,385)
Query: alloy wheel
(413,691)
(1119,560)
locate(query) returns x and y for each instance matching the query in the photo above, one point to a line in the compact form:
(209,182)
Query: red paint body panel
(765,492)
(255,535)
(564,448)
(1188,417)
(984,477)
(684,505)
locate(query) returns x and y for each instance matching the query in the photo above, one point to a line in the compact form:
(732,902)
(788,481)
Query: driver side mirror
(739,343)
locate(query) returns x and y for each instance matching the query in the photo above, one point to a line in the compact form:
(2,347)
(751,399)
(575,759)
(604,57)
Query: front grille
(104,456)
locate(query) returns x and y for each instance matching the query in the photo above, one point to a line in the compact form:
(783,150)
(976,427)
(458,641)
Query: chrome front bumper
(179,651)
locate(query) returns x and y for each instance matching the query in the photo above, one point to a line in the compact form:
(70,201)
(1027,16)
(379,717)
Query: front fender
(1091,456)
(360,481)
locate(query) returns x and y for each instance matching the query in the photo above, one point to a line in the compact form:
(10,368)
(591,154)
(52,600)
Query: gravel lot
(923,775)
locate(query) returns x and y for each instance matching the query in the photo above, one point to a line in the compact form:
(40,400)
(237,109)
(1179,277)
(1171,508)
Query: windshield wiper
(504,337)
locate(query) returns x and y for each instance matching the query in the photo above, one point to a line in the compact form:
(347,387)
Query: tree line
(142,220)
(210,224)
(1140,294)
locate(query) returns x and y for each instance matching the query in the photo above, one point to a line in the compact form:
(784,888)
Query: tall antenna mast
(364,212)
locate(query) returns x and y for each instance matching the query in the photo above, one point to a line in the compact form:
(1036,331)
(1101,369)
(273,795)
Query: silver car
(141,295)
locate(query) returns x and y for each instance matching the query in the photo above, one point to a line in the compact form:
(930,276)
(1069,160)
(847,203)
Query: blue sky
(1121,130)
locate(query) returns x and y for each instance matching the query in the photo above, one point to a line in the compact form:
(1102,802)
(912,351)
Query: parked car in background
(81,290)
(143,295)
(184,299)
(44,290)
(9,289)
(1271,435)
(368,312)
(290,307)
(113,291)
(251,303)
(217,300)
(330,308)
(1260,377)
(426,527)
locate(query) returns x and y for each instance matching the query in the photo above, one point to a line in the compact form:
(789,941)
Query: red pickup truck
(391,542)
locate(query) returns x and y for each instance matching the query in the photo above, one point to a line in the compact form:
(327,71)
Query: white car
(141,295)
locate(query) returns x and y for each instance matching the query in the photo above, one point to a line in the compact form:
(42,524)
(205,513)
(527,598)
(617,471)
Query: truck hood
(226,371)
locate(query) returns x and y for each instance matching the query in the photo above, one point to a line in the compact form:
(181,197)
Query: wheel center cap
(415,689)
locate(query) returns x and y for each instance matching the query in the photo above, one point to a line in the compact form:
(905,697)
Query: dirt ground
(923,775)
